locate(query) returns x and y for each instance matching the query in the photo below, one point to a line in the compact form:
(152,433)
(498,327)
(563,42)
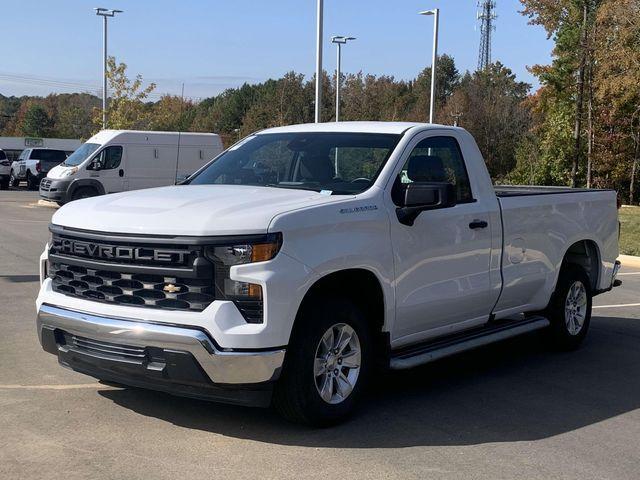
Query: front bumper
(54,190)
(176,359)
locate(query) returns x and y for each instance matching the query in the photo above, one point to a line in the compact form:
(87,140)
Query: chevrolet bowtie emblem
(171,288)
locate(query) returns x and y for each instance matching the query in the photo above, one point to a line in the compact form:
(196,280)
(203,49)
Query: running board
(444,347)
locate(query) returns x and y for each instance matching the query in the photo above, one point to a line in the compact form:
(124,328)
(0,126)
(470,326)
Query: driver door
(111,173)
(442,261)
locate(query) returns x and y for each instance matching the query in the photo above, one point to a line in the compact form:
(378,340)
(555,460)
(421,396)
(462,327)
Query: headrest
(317,168)
(426,168)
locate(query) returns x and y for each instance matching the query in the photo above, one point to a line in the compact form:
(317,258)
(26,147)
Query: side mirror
(421,196)
(95,165)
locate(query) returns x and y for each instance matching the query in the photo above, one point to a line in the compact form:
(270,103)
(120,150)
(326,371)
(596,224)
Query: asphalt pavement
(511,410)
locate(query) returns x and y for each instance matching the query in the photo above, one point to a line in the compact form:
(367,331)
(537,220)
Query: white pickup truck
(33,164)
(303,258)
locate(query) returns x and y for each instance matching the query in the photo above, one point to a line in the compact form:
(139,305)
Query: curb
(629,261)
(45,203)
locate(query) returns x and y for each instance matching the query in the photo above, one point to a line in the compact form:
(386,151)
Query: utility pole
(486,17)
(319,19)
(105,13)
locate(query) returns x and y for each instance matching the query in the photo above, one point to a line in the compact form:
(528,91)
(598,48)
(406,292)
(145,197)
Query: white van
(119,160)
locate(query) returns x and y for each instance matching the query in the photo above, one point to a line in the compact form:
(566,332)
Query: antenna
(486,16)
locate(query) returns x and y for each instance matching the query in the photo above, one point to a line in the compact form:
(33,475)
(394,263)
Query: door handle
(478,224)
(121,172)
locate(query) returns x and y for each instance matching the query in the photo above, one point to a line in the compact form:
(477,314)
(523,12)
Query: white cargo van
(119,160)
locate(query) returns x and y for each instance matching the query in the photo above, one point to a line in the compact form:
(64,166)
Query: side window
(438,159)
(110,157)
(24,155)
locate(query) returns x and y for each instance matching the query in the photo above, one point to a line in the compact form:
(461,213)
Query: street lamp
(105,13)
(436,13)
(339,41)
(319,18)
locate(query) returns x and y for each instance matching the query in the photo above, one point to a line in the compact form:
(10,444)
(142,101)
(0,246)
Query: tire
(4,183)
(60,203)
(84,192)
(13,180)
(32,182)
(570,309)
(297,395)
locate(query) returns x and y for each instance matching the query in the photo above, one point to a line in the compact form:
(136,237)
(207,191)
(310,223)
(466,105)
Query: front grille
(154,272)
(101,348)
(139,289)
(45,184)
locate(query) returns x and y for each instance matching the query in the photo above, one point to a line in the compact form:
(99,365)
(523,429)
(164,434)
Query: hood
(198,210)
(60,171)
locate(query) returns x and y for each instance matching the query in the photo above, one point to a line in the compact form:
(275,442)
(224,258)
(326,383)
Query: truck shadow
(513,391)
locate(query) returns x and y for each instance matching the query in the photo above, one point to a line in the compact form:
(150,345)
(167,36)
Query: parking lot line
(56,387)
(629,273)
(622,305)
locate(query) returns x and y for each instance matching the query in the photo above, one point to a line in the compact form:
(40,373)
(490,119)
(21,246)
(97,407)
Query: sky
(210,45)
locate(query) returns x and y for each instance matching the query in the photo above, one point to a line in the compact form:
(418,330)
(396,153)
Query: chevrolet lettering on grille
(116,252)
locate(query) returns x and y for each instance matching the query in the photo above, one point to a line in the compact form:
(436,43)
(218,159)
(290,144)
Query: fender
(85,182)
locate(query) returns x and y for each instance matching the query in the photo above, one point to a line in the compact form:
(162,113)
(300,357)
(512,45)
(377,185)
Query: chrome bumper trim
(221,367)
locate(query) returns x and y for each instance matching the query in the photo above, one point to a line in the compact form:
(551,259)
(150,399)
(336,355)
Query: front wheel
(13,180)
(32,182)
(84,192)
(570,308)
(327,364)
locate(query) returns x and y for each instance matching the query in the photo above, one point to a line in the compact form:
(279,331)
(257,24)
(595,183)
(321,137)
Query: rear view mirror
(421,196)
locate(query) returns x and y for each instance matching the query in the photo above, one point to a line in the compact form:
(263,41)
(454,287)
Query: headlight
(69,172)
(246,296)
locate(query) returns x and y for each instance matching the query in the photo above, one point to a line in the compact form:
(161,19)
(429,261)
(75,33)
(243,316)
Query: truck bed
(539,226)
(521,191)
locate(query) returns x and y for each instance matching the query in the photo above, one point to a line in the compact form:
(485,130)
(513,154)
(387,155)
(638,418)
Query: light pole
(319,18)
(436,14)
(339,41)
(105,13)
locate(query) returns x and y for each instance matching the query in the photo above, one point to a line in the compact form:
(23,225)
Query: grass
(630,232)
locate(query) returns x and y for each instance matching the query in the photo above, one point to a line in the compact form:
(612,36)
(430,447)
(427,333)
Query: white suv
(5,167)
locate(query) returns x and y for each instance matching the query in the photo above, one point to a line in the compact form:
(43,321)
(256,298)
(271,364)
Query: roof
(353,127)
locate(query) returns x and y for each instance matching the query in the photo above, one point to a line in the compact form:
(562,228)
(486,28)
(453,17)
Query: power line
(69,86)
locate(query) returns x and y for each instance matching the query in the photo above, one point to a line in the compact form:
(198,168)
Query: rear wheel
(570,308)
(327,364)
(32,182)
(4,183)
(13,180)
(84,192)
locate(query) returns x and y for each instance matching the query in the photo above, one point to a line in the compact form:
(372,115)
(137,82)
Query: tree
(617,91)
(570,23)
(126,108)
(36,122)
(489,104)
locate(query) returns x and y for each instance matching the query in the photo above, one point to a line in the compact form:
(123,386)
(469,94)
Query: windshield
(81,154)
(337,163)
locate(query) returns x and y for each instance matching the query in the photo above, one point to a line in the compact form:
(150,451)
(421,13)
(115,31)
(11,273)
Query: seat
(426,168)
(316,168)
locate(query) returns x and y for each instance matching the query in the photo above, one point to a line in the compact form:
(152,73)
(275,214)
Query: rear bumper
(54,190)
(179,360)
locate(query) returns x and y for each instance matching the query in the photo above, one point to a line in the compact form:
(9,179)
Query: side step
(415,355)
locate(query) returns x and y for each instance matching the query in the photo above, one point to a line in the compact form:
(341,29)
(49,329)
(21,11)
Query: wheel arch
(360,285)
(84,182)
(586,255)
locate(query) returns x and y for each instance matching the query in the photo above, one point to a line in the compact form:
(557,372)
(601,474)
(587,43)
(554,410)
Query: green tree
(126,107)
(36,122)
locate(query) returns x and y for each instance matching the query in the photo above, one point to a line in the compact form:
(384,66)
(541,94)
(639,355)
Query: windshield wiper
(293,187)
